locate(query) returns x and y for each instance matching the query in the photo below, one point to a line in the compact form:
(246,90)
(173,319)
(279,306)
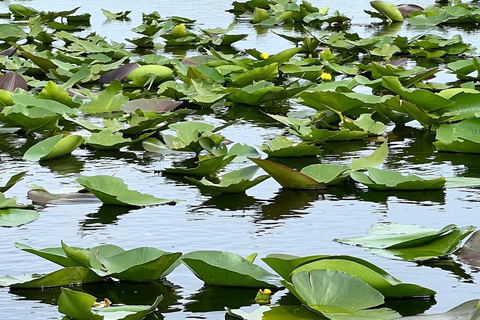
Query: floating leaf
(108,100)
(379,279)
(80,305)
(11,81)
(53,147)
(411,242)
(118,74)
(388,10)
(113,191)
(459,137)
(228,269)
(62,277)
(205,167)
(288,177)
(284,148)
(11,33)
(146,105)
(338,295)
(233,182)
(15,217)
(12,181)
(107,140)
(378,179)
(469,253)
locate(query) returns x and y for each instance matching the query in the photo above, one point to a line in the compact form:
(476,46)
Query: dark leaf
(11,81)
(120,73)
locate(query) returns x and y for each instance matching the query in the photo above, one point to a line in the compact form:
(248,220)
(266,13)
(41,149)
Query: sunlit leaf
(113,191)
(53,147)
(228,269)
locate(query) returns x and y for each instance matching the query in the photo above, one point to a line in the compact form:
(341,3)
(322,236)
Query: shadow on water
(64,166)
(138,293)
(215,298)
(230,202)
(451,266)
(105,216)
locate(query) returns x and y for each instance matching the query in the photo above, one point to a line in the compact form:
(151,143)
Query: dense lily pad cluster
(68,91)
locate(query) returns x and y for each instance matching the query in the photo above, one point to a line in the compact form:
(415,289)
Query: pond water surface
(266,219)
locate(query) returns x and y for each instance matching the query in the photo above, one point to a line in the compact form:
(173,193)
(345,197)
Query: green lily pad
(205,167)
(14,217)
(284,264)
(276,312)
(62,277)
(329,174)
(107,100)
(80,305)
(464,311)
(285,148)
(107,140)
(338,295)
(228,269)
(287,177)
(388,10)
(411,242)
(378,179)
(12,181)
(233,182)
(113,191)
(379,279)
(459,137)
(11,33)
(268,73)
(53,147)
(188,135)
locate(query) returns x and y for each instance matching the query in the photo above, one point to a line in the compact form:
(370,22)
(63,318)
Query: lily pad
(113,191)
(62,277)
(287,177)
(228,269)
(12,181)
(459,137)
(53,147)
(338,295)
(378,179)
(379,279)
(233,182)
(469,253)
(14,217)
(285,148)
(411,242)
(205,167)
(80,305)
(188,135)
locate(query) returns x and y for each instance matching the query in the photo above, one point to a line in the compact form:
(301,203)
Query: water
(265,220)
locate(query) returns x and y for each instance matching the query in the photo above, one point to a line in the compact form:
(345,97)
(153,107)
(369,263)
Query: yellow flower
(326,76)
(264,56)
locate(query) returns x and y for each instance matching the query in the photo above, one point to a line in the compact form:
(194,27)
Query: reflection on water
(230,202)
(64,166)
(422,198)
(410,307)
(286,204)
(139,293)
(215,298)
(105,215)
(450,265)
